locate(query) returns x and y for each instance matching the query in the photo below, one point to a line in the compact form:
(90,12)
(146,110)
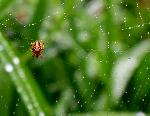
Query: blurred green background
(96,58)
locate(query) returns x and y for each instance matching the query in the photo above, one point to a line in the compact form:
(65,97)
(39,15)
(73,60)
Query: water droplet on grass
(16,60)
(1,47)
(29,106)
(140,114)
(41,114)
(9,68)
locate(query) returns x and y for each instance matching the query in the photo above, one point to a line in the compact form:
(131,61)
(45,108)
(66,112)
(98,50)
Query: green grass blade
(125,67)
(22,79)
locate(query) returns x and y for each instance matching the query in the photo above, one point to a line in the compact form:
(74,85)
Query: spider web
(91,9)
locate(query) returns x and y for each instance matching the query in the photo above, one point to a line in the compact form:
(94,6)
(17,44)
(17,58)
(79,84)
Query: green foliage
(96,58)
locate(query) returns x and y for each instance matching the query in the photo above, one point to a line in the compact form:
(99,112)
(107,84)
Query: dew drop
(129,35)
(1,47)
(14,113)
(140,114)
(9,68)
(17,105)
(16,60)
(29,106)
(41,114)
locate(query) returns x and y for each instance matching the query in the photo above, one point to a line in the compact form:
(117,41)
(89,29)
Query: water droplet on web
(9,68)
(41,114)
(129,35)
(17,105)
(89,83)
(16,60)
(140,114)
(29,106)
(147,67)
(1,47)
(14,113)
(148,34)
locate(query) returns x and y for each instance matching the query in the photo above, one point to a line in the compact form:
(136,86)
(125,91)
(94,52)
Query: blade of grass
(6,90)
(22,79)
(125,67)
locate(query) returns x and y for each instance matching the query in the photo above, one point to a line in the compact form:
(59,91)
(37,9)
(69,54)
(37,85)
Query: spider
(37,48)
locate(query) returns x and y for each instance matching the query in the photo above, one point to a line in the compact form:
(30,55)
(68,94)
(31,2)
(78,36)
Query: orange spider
(37,48)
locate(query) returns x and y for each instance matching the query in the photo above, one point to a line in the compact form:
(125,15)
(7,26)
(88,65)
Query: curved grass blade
(23,81)
(125,67)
